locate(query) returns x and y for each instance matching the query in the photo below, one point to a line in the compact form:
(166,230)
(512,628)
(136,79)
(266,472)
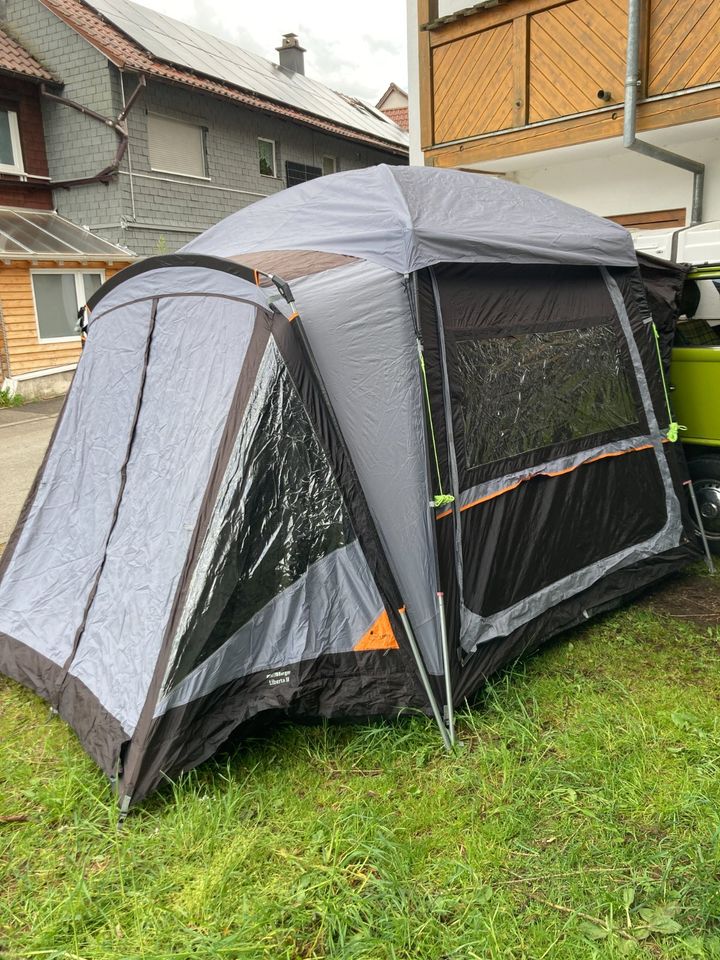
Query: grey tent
(346,454)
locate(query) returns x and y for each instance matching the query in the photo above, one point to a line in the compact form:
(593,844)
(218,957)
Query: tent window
(177,147)
(284,513)
(59,295)
(526,392)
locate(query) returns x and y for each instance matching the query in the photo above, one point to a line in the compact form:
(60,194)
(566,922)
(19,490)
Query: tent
(344,455)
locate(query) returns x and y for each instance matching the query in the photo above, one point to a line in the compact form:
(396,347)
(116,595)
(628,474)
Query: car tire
(705,476)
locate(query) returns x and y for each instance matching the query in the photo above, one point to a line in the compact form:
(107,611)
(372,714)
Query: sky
(357,48)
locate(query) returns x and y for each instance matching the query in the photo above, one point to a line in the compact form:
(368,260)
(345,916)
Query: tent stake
(701,528)
(425,679)
(449,711)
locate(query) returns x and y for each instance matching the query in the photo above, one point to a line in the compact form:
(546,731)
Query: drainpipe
(630,141)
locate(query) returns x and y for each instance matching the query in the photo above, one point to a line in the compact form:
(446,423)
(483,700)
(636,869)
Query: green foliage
(580,819)
(8,400)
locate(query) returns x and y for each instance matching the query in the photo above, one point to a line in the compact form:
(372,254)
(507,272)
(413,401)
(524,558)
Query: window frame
(79,297)
(327,156)
(203,146)
(273,143)
(18,167)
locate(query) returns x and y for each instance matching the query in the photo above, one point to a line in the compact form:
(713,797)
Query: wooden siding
(652,219)
(684,44)
(474,84)
(27,354)
(575,51)
(488,77)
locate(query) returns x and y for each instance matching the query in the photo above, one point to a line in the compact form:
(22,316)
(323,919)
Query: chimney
(291,54)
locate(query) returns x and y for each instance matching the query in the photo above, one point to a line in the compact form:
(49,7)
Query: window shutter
(176,147)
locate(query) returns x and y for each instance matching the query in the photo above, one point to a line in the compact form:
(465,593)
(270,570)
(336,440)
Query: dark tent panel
(347,454)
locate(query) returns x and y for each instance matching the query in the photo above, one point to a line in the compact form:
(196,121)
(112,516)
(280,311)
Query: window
(10,152)
(530,391)
(59,295)
(300,173)
(176,147)
(266,157)
(329,165)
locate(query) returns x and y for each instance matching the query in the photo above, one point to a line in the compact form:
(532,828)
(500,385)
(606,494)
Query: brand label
(279,676)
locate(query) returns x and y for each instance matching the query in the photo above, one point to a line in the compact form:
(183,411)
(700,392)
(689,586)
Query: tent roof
(407,218)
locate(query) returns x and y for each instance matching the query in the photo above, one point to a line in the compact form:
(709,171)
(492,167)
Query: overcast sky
(356,48)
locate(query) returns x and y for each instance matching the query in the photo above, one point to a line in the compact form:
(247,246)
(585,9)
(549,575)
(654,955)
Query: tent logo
(279,676)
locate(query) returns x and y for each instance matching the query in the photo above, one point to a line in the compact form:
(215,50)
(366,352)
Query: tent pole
(425,679)
(450,712)
(701,528)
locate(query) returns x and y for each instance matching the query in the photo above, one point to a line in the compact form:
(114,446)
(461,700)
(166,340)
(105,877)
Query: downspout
(630,141)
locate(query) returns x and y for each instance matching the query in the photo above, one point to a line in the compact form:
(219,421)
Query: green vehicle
(695,385)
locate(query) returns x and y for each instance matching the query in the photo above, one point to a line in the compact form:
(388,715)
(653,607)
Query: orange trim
(548,473)
(401,610)
(293,316)
(257,278)
(379,637)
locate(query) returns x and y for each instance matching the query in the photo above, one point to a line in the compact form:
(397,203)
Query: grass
(579,819)
(10,400)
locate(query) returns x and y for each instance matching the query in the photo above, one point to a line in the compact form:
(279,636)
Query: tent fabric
(408,218)
(237,517)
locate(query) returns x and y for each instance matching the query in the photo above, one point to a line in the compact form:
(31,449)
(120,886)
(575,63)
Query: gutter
(630,140)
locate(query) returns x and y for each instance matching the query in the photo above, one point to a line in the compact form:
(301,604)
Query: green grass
(580,819)
(6,400)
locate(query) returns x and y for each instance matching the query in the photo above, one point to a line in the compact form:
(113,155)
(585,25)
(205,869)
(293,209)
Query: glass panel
(33,240)
(6,148)
(526,392)
(56,304)
(91,283)
(266,153)
(68,234)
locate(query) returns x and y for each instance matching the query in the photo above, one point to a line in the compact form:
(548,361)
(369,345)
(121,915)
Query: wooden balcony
(532,75)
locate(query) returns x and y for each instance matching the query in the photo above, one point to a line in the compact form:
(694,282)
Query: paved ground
(24,435)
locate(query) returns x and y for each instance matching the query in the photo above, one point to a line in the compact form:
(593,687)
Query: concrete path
(24,435)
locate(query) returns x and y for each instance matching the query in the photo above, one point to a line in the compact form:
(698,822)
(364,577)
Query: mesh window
(527,392)
(279,511)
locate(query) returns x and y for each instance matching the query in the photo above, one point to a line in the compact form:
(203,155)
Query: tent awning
(40,234)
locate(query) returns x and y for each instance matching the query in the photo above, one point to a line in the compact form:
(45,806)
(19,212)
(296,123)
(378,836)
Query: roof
(15,59)
(407,218)
(399,115)
(393,88)
(135,38)
(43,235)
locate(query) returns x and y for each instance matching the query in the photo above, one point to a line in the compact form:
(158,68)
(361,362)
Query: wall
(23,96)
(76,145)
(162,211)
(16,302)
(416,155)
(622,182)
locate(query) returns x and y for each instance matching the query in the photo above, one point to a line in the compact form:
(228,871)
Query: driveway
(24,435)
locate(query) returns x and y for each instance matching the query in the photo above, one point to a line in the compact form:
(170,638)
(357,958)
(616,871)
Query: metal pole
(701,528)
(450,712)
(425,679)
(630,140)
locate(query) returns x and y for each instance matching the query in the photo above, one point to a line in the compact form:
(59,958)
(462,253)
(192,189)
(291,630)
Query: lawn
(580,818)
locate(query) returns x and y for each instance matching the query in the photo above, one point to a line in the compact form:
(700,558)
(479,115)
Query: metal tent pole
(450,711)
(701,528)
(425,679)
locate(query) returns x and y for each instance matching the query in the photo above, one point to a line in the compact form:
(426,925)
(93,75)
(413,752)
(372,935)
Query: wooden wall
(502,69)
(16,301)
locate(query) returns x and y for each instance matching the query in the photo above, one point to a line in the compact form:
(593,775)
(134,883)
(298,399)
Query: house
(394,104)
(48,265)
(180,128)
(535,90)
